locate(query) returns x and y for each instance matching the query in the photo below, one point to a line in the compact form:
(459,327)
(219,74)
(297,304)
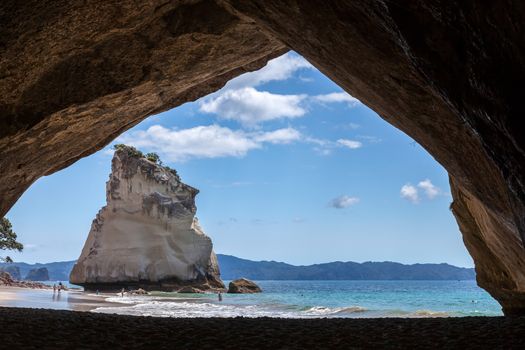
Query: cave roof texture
(75,74)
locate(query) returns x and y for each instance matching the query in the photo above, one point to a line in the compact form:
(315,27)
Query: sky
(289,167)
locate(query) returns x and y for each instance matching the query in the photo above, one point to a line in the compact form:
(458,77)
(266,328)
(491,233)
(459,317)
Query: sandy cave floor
(58,329)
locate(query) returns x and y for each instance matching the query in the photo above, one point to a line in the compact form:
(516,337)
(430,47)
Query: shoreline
(70,300)
(177,305)
(58,329)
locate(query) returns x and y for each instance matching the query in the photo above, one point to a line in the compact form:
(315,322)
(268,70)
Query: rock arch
(75,74)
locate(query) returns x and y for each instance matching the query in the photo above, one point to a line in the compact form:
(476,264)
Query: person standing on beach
(54,288)
(122,293)
(220,296)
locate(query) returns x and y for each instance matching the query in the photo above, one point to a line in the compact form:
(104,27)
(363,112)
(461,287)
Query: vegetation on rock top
(8,239)
(152,156)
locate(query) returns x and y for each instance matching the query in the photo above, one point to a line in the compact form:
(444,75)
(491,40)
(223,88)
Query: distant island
(232,267)
(57,271)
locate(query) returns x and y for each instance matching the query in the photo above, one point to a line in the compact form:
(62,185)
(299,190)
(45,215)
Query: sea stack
(147,236)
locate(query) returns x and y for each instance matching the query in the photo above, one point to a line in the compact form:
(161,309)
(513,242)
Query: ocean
(314,299)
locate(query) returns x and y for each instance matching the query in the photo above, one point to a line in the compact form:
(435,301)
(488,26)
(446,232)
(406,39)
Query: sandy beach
(73,300)
(58,329)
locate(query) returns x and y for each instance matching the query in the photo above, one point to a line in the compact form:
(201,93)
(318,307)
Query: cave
(75,75)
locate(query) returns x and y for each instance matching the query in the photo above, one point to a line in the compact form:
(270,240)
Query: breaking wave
(197,307)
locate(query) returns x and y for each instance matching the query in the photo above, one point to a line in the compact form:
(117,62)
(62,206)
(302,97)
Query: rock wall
(448,74)
(147,235)
(75,74)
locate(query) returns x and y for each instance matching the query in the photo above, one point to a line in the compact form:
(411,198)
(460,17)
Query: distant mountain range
(233,267)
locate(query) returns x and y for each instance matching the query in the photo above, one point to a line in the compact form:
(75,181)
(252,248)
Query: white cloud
(234,184)
(336,97)
(251,107)
(323,151)
(352,144)
(430,190)
(326,147)
(410,193)
(240,101)
(280,68)
(343,201)
(199,142)
(369,139)
(211,141)
(108,152)
(306,79)
(280,136)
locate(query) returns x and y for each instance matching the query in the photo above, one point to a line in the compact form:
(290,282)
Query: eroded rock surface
(449,75)
(147,235)
(75,74)
(243,286)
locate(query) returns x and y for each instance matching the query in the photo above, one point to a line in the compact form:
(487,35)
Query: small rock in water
(243,285)
(189,289)
(139,291)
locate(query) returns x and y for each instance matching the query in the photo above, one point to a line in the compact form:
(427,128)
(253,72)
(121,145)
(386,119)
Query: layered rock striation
(147,235)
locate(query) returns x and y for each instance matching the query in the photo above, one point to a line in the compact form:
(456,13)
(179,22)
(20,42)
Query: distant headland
(232,267)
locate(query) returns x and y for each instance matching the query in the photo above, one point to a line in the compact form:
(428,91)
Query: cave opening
(290,168)
(433,71)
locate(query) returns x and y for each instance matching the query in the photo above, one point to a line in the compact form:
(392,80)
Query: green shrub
(173,171)
(130,150)
(8,239)
(153,157)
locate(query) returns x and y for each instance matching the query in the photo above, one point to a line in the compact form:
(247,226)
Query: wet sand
(45,329)
(74,300)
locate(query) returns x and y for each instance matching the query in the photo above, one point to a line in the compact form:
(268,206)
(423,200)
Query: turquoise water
(65,283)
(310,299)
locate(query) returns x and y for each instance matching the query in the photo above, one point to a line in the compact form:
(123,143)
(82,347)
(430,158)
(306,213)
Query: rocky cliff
(147,235)
(13,271)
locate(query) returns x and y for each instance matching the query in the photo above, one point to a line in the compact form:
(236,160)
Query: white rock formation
(147,235)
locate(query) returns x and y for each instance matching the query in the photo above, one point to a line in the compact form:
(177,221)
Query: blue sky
(290,168)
